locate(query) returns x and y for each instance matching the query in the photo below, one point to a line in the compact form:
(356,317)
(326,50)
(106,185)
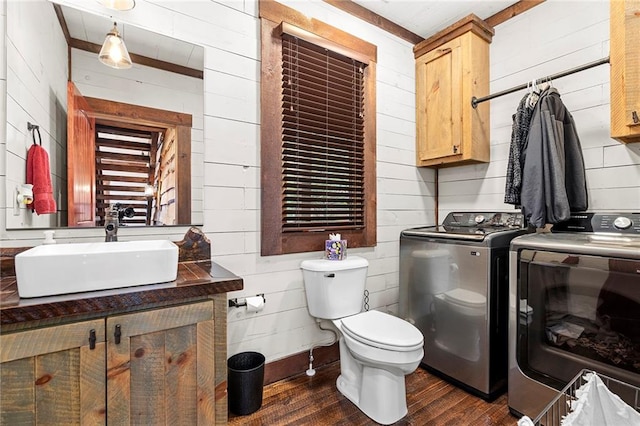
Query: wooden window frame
(275,19)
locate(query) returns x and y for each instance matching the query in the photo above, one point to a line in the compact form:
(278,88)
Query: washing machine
(454,289)
(574,304)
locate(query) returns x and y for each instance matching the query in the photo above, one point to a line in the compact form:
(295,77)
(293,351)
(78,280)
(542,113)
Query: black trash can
(245,377)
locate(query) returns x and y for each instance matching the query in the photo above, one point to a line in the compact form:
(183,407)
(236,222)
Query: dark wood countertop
(196,279)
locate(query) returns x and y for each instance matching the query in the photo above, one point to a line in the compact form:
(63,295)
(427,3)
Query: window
(318,134)
(124,165)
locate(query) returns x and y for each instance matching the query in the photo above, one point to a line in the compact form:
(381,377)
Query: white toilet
(376,349)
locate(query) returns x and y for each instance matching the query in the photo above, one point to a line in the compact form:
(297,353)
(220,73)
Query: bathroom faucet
(111,224)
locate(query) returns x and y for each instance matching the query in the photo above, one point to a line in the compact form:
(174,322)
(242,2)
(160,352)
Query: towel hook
(33,128)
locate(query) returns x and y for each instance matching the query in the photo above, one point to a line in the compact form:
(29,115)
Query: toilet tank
(334,288)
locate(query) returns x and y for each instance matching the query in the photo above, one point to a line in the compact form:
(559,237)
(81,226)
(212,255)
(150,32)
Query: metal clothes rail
(475,101)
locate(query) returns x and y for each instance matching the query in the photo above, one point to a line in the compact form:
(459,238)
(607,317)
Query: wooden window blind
(317,134)
(323,176)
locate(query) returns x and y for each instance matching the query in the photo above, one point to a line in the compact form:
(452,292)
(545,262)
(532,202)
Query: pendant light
(114,53)
(118,4)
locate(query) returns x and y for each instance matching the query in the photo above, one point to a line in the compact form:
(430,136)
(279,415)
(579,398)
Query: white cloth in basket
(596,405)
(525,421)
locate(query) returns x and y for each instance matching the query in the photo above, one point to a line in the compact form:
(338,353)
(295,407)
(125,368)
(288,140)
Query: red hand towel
(39,174)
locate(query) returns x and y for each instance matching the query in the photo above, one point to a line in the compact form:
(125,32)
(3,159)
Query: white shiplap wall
(574,33)
(551,37)
(229,32)
(37,92)
(404,199)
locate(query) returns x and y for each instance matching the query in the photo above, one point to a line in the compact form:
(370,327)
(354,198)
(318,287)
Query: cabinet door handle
(92,339)
(117,334)
(446,50)
(455,149)
(634,117)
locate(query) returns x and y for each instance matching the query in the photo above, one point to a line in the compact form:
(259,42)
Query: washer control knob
(622,222)
(479,219)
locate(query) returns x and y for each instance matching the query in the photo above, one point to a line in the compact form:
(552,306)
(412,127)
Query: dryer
(574,304)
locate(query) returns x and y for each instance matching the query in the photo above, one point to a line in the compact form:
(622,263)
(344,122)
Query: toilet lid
(382,330)
(464,297)
(324,265)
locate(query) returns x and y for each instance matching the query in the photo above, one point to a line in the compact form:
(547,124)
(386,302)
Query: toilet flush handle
(331,275)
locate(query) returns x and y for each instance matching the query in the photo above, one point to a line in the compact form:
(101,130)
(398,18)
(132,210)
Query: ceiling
(427,17)
(421,17)
(94,28)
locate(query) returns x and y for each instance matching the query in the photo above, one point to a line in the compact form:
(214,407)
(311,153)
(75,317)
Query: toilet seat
(468,298)
(383,331)
(464,302)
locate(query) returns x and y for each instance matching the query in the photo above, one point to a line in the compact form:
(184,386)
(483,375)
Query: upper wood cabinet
(625,70)
(451,68)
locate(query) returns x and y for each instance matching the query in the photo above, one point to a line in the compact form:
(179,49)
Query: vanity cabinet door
(53,375)
(160,366)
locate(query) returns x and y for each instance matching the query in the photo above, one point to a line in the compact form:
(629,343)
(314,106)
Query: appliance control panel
(484,220)
(625,223)
(620,223)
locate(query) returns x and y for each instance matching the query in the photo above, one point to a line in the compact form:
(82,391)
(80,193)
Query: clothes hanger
(534,93)
(536,88)
(546,84)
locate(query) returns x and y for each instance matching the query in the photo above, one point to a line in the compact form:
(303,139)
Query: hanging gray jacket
(553,176)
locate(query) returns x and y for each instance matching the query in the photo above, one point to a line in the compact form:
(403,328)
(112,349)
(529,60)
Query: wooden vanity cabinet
(146,367)
(624,47)
(451,68)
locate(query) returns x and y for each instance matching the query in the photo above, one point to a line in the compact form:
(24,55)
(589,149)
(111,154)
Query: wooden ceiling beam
(512,11)
(140,59)
(373,18)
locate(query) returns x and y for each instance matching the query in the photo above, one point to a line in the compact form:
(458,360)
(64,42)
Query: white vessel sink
(53,269)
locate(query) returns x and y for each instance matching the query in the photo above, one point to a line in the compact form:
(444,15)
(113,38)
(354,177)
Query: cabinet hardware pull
(92,339)
(455,149)
(634,116)
(117,334)
(446,50)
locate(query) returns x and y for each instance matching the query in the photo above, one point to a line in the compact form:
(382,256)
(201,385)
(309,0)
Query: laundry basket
(560,406)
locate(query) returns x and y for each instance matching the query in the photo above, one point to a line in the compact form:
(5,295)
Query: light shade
(114,52)
(118,4)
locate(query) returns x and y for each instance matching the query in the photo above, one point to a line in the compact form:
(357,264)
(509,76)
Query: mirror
(148,121)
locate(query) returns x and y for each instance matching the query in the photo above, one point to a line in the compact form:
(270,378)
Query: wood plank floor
(303,400)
